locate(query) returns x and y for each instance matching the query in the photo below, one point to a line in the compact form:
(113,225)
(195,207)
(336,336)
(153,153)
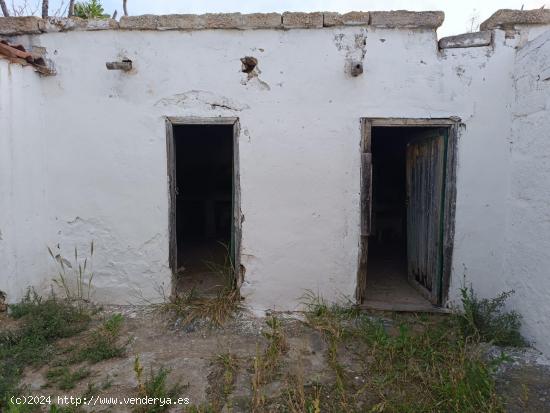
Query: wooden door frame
(453,124)
(170,122)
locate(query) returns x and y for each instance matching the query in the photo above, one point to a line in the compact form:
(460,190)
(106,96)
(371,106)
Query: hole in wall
(249,63)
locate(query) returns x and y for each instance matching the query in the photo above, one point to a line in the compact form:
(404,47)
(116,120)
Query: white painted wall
(528,222)
(84,156)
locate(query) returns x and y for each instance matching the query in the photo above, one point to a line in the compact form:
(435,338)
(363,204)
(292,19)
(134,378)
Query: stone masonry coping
(401,19)
(429,20)
(506,18)
(476,39)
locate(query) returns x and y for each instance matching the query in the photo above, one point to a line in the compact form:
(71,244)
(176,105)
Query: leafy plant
(485,319)
(92,9)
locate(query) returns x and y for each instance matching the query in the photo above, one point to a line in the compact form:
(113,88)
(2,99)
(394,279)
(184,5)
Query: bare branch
(124,7)
(5,11)
(45,5)
(23,8)
(61,10)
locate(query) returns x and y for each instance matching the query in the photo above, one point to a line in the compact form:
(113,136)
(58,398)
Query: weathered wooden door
(173,190)
(366,206)
(235,249)
(426,164)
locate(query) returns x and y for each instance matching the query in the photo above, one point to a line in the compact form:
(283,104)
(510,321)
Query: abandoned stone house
(354,155)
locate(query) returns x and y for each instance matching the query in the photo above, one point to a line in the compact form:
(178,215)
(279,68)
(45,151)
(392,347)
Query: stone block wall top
(353,18)
(10,26)
(507,18)
(407,19)
(476,39)
(64,24)
(402,19)
(202,21)
(302,20)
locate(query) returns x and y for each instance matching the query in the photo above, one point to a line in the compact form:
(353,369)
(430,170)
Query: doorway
(407,214)
(204,235)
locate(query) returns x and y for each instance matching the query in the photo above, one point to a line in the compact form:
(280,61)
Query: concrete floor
(387,285)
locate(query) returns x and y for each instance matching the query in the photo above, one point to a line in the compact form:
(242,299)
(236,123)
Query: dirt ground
(193,353)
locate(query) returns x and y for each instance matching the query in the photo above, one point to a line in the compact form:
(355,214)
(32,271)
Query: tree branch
(45,4)
(124,7)
(71,8)
(5,11)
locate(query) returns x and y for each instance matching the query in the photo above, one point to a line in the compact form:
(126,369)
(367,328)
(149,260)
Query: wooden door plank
(425,166)
(172,188)
(236,227)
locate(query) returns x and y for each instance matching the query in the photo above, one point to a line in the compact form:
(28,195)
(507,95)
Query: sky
(458,13)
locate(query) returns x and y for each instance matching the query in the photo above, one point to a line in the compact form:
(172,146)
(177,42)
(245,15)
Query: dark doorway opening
(204,202)
(406,227)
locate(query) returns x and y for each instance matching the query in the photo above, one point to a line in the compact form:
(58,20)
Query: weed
(277,345)
(154,386)
(316,306)
(64,378)
(222,380)
(225,271)
(103,342)
(218,309)
(77,275)
(229,364)
(423,364)
(258,398)
(297,401)
(430,371)
(266,364)
(72,408)
(43,321)
(203,408)
(486,320)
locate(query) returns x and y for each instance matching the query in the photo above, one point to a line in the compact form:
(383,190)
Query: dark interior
(204,178)
(387,253)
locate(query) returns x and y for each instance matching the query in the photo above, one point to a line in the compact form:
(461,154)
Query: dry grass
(266,365)
(191,306)
(296,399)
(217,310)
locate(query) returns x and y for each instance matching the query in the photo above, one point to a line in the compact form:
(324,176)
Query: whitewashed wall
(527,257)
(84,156)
